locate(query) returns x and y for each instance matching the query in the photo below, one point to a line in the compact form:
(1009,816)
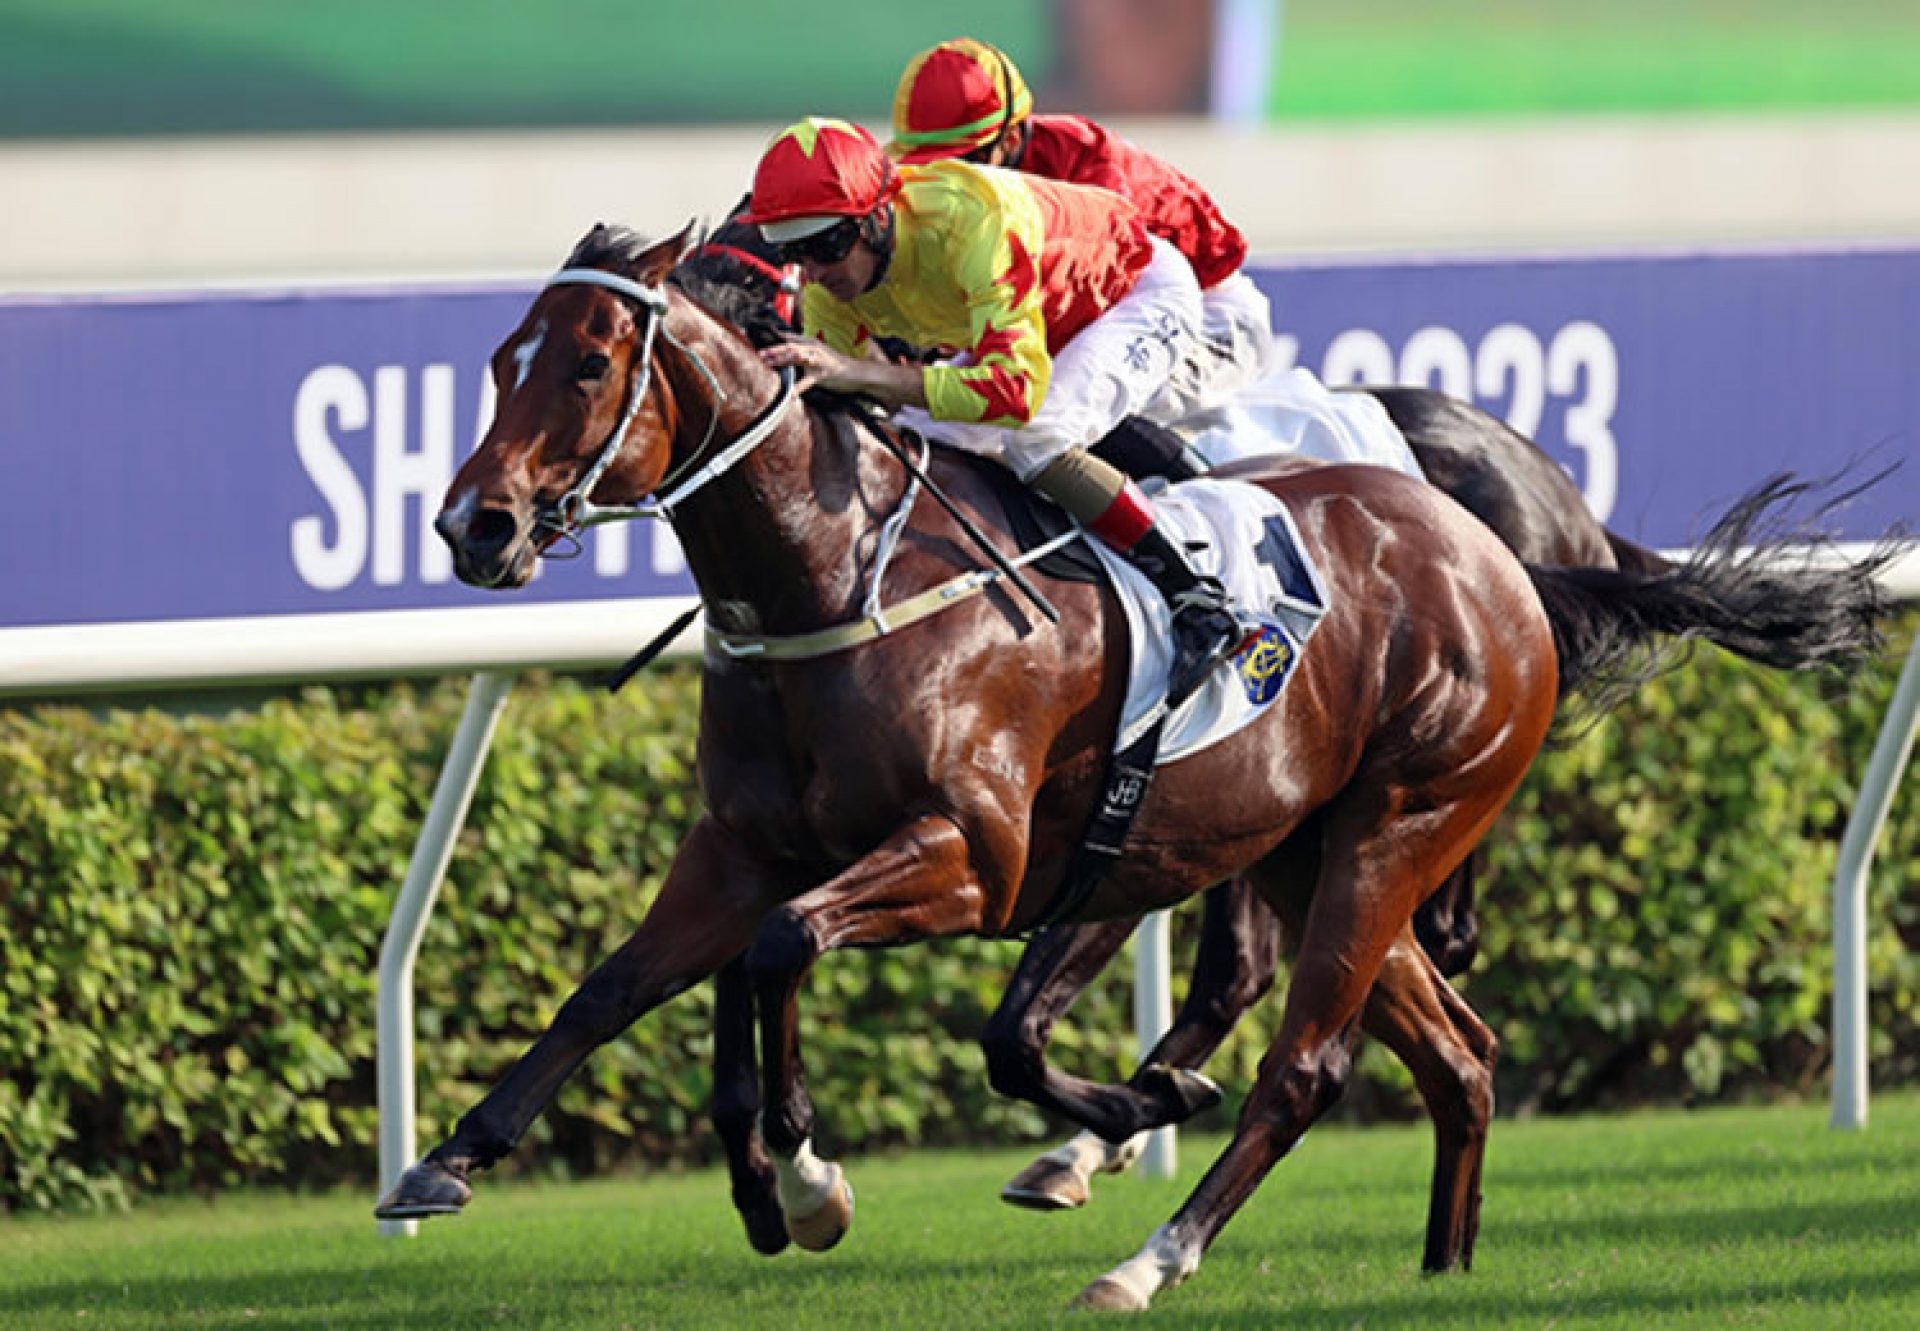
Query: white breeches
(1236,329)
(1117,366)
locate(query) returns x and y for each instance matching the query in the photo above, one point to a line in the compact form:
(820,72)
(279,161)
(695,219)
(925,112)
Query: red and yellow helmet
(816,173)
(954,99)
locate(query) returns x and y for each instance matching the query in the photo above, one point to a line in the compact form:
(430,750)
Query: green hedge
(191,911)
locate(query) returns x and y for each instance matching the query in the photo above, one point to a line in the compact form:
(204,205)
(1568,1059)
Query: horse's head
(578,410)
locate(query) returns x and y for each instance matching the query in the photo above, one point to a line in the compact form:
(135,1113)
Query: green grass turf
(1721,1218)
(1371,58)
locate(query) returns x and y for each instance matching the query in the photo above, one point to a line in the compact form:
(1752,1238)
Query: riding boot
(1142,449)
(1206,627)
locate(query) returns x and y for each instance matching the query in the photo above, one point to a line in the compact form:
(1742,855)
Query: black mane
(729,290)
(608,245)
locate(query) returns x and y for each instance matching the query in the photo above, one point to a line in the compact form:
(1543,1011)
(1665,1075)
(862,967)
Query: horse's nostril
(490,532)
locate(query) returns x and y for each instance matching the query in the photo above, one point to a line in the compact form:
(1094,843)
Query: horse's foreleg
(736,1109)
(1451,1053)
(919,883)
(706,913)
(1239,952)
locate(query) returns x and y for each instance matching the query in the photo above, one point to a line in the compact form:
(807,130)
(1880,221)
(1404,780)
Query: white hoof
(819,1230)
(1108,1294)
(1047,1185)
(1121,1158)
(1130,1286)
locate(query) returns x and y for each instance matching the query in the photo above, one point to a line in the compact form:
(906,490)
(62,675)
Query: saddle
(1033,521)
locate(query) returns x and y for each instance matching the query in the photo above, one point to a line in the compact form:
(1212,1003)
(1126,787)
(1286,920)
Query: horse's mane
(729,290)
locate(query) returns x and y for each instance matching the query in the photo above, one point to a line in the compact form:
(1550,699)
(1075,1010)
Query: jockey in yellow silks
(1061,313)
(965,99)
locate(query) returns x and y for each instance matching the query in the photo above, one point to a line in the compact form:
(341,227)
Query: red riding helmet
(955,99)
(816,173)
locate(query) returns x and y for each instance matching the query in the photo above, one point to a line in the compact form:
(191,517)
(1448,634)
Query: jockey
(1065,317)
(966,99)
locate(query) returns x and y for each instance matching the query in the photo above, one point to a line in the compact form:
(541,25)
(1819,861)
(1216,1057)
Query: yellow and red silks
(1002,266)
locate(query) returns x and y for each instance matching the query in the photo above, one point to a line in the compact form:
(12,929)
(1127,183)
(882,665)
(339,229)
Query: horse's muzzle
(488,547)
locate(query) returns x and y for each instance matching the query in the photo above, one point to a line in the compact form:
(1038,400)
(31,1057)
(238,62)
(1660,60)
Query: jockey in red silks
(966,99)
(1064,314)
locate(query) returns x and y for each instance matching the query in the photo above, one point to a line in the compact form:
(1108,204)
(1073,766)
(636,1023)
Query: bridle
(573,512)
(785,278)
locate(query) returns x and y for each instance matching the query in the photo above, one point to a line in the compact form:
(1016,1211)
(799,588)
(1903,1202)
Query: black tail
(1758,586)
(1637,558)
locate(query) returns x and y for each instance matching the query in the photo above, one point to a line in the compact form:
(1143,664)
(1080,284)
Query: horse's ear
(664,256)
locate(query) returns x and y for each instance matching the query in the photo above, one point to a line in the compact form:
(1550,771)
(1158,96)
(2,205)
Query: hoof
(425,1189)
(828,1225)
(1180,1091)
(1108,1295)
(1046,1185)
(1123,1157)
(766,1228)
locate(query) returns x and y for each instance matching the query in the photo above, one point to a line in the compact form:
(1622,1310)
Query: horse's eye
(593,368)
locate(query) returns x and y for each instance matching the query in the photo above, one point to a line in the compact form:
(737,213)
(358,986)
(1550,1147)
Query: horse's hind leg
(1451,1053)
(1239,948)
(736,1110)
(1054,970)
(1446,923)
(1375,866)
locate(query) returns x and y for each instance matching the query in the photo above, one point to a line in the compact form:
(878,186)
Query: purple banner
(1666,385)
(175,457)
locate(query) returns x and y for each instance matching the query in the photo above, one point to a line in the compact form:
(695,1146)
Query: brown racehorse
(1500,477)
(932,781)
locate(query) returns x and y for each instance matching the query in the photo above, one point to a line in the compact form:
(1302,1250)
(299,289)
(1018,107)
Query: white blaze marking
(524,353)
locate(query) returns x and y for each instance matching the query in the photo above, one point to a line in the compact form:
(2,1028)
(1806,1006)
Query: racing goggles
(822,247)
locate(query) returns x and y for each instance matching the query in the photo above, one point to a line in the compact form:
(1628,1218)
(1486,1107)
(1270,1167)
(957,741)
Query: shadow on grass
(343,1293)
(1460,1301)
(349,1289)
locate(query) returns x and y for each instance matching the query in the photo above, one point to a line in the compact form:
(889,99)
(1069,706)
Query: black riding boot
(1142,448)
(1207,629)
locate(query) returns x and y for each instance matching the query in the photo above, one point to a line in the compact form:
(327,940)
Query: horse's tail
(1635,558)
(1761,589)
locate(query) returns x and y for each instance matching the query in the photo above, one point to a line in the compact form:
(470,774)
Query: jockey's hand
(820,366)
(817,364)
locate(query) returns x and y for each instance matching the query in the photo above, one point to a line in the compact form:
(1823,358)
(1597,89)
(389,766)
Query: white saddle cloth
(1294,414)
(1291,414)
(1245,537)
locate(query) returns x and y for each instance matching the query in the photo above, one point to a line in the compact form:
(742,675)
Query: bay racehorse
(1494,472)
(933,779)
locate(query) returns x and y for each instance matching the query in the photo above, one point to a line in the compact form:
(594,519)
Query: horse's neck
(782,542)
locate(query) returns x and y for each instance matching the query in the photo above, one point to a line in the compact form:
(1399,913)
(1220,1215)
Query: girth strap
(1129,774)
